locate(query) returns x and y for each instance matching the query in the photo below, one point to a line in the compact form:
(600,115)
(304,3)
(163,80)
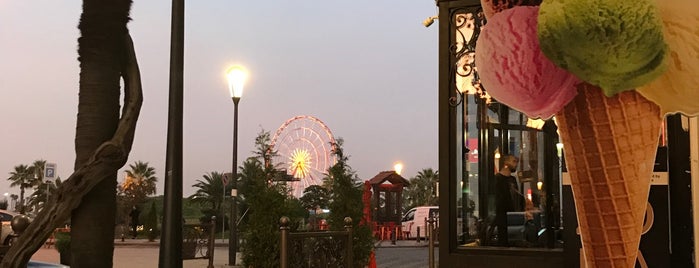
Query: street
(147,256)
(404,257)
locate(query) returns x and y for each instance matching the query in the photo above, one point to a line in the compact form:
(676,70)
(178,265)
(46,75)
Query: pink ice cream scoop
(515,72)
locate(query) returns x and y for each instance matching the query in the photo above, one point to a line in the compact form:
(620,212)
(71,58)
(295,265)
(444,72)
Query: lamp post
(236,76)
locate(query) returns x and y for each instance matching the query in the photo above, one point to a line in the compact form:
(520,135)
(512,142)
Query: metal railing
(199,240)
(431,226)
(315,249)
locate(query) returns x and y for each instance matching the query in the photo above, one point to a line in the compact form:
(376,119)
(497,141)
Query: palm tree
(210,190)
(43,192)
(139,183)
(38,169)
(102,52)
(22,176)
(422,190)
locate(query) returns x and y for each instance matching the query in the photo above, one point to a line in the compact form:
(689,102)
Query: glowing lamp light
(535,123)
(398,167)
(236,76)
(559,149)
(539,185)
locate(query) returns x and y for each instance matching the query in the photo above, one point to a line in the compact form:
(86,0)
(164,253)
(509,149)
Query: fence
(315,249)
(198,241)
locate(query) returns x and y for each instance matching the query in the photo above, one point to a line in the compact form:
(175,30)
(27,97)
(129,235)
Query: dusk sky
(366,68)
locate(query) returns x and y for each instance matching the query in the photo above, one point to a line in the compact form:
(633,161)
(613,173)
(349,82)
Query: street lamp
(398,167)
(236,76)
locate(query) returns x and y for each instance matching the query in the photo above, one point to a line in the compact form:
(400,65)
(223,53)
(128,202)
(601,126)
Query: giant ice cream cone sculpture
(610,132)
(610,145)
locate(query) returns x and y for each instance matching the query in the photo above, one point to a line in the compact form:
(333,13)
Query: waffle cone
(610,145)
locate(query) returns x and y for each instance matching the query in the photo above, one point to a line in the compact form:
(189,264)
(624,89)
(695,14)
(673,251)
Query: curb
(156,243)
(402,244)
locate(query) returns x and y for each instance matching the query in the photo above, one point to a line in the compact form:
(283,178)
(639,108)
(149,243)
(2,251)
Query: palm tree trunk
(21,199)
(101,54)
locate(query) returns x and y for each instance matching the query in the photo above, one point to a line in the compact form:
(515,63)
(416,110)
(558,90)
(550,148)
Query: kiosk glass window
(487,131)
(479,195)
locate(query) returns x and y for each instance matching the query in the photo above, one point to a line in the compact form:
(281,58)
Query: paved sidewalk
(156,243)
(402,244)
(138,253)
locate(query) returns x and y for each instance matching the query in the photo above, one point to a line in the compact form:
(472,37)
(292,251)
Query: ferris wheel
(304,149)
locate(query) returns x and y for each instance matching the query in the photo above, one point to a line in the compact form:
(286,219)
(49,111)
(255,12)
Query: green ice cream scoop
(616,45)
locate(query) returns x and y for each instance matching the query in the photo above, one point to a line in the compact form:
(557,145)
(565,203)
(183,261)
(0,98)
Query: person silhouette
(134,220)
(507,195)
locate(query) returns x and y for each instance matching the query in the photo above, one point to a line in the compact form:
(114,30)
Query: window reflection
(488,132)
(504,205)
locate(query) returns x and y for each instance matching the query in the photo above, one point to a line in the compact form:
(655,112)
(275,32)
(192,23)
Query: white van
(415,217)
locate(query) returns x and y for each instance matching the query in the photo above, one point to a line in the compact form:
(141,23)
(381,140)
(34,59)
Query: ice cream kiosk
(605,165)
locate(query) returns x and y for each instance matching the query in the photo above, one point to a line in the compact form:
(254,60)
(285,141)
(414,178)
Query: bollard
(283,254)
(427,231)
(430,248)
(418,235)
(348,228)
(212,241)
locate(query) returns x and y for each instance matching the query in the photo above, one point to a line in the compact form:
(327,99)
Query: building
(475,131)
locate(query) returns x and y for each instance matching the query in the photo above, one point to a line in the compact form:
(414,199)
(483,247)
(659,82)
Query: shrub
(346,201)
(151,223)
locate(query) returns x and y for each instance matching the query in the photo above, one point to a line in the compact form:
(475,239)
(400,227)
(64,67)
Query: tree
(40,186)
(210,191)
(38,168)
(43,192)
(264,151)
(151,222)
(315,197)
(210,195)
(422,190)
(267,203)
(139,183)
(102,53)
(103,140)
(22,176)
(346,201)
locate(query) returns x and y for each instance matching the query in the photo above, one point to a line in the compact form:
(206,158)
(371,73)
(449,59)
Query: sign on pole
(226,178)
(50,171)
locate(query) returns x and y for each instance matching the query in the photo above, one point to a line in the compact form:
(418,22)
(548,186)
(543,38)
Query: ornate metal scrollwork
(468,23)
(317,252)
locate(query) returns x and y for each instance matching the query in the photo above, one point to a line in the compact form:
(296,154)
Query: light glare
(398,167)
(236,76)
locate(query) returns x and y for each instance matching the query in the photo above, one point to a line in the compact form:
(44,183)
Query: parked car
(40,264)
(6,230)
(415,217)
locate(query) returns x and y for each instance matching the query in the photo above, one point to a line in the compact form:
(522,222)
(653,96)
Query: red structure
(366,218)
(387,203)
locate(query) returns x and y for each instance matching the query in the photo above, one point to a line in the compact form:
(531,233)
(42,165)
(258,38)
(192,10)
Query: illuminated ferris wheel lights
(300,161)
(305,145)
